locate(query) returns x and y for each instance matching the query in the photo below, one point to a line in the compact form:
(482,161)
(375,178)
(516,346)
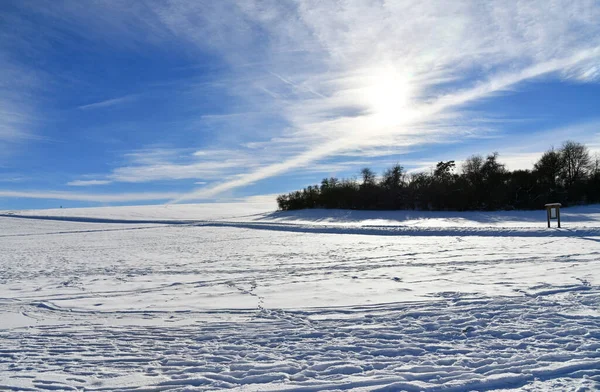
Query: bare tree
(596,165)
(394,177)
(549,167)
(368,177)
(471,168)
(472,164)
(576,161)
(491,168)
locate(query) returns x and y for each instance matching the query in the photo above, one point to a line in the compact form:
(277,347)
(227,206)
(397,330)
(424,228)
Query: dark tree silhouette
(368,177)
(576,162)
(567,176)
(549,167)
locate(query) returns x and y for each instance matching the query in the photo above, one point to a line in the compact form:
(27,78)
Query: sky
(122,102)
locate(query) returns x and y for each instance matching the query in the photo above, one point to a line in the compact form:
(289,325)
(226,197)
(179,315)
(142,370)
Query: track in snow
(221,305)
(460,344)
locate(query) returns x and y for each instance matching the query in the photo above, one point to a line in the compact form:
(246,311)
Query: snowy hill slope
(573,217)
(239,297)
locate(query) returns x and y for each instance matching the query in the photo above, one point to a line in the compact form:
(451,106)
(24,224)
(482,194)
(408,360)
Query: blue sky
(147,102)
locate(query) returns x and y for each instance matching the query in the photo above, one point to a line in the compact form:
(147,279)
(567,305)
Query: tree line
(567,175)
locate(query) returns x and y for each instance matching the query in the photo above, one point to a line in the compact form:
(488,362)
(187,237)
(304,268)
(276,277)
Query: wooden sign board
(553,212)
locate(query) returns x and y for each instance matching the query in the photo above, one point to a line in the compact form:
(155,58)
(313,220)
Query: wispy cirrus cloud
(343,80)
(168,164)
(160,164)
(203,166)
(522,155)
(383,125)
(88,182)
(90,197)
(17,107)
(109,102)
(361,79)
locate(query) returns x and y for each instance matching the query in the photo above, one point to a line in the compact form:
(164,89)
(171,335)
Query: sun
(388,96)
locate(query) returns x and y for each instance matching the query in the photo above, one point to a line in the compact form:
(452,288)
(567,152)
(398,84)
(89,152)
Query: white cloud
(390,73)
(14,121)
(160,164)
(91,197)
(17,109)
(524,154)
(109,102)
(386,123)
(88,182)
(167,164)
(261,199)
(348,79)
(12,178)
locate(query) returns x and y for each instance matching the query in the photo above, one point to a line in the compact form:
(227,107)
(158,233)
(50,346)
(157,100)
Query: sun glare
(388,96)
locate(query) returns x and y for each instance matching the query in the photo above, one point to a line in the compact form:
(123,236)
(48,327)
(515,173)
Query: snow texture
(233,296)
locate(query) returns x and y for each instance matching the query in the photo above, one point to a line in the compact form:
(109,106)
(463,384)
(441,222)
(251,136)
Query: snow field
(306,301)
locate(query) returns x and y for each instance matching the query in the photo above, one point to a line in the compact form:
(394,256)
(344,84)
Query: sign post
(553,212)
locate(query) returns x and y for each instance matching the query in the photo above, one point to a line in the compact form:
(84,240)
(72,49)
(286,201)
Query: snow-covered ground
(235,296)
